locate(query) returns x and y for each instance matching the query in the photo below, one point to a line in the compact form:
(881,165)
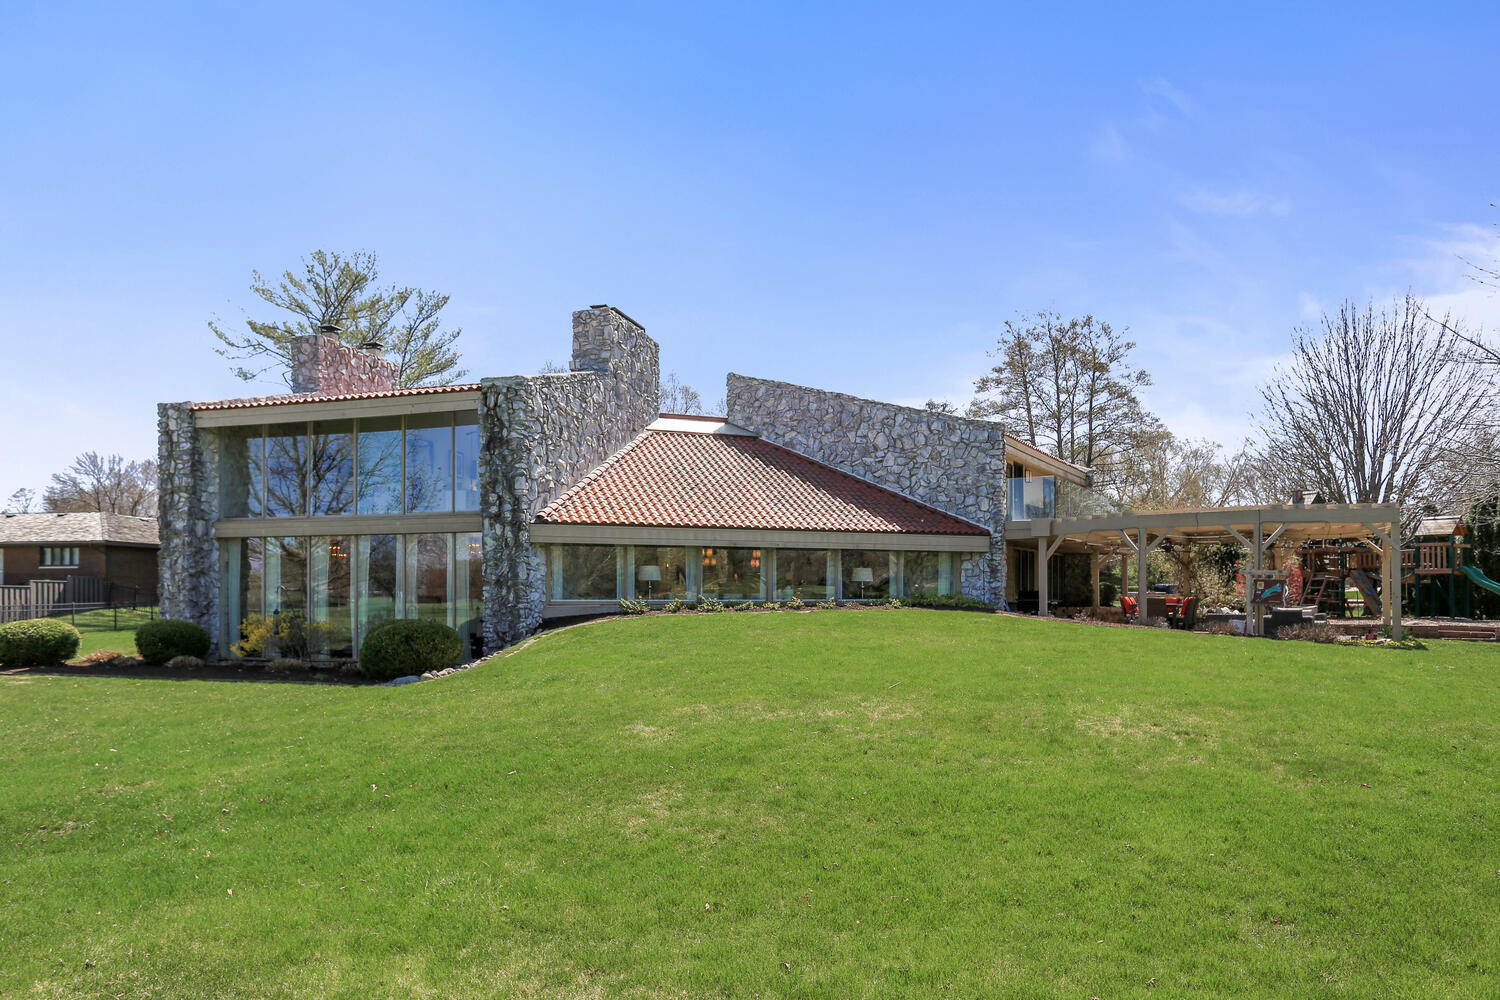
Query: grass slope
(832,804)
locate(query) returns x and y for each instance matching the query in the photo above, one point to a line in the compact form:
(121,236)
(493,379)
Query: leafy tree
(1375,408)
(334,289)
(1066,386)
(103,483)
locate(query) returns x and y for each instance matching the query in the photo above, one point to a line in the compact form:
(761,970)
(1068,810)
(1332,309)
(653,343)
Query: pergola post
(1390,582)
(1257,552)
(1141,552)
(1096,562)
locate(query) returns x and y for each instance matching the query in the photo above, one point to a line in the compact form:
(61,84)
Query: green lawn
(98,628)
(835,804)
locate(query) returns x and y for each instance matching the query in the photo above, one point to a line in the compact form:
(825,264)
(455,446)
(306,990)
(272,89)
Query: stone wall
(330,367)
(540,434)
(952,463)
(188,498)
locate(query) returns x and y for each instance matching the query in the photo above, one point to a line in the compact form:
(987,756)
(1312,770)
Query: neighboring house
(117,548)
(495,505)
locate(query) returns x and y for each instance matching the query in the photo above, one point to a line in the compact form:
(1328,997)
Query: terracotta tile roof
(681,479)
(76,529)
(313,397)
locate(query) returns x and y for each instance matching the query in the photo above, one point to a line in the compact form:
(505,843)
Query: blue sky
(848,196)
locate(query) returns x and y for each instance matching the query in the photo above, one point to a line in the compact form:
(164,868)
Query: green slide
(1477,575)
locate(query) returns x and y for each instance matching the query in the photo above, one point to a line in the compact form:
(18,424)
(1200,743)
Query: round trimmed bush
(166,638)
(409,646)
(37,642)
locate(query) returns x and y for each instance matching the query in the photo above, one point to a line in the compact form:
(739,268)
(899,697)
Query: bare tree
(1066,386)
(21,501)
(939,406)
(107,484)
(677,397)
(1375,408)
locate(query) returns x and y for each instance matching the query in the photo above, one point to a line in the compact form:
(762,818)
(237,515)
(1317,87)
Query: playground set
(1438,575)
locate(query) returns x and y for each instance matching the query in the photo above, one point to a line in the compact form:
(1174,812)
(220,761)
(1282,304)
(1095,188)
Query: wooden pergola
(1255,528)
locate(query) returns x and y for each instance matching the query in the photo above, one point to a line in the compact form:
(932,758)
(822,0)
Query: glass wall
(378,484)
(330,467)
(350,584)
(584,573)
(732,574)
(803,573)
(420,463)
(660,573)
(927,573)
(867,575)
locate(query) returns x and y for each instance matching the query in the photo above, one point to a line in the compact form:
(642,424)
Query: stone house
(118,549)
(495,505)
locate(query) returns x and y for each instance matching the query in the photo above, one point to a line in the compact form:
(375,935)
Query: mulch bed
(208,672)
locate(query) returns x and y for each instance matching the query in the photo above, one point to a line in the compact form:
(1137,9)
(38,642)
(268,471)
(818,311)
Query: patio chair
(1186,616)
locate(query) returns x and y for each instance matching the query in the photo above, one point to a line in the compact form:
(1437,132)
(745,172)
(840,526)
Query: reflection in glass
(468,590)
(660,573)
(926,573)
(583,573)
(378,578)
(242,458)
(429,462)
(330,467)
(330,602)
(866,575)
(286,470)
(286,575)
(466,460)
(427,559)
(803,573)
(244,577)
(732,574)
(379,481)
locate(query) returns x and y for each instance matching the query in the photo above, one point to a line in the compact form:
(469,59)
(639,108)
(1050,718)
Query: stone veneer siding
(188,499)
(952,463)
(324,365)
(540,434)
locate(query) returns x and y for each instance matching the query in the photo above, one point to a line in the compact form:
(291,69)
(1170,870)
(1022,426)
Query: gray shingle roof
(76,529)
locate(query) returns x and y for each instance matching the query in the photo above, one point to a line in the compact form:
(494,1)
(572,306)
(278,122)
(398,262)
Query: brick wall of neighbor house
(325,365)
(130,568)
(188,500)
(540,434)
(952,463)
(123,565)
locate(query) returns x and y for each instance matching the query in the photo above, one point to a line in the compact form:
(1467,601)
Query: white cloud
(1243,203)
(1158,87)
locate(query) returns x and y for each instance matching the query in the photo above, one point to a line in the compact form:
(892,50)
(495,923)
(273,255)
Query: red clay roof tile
(681,479)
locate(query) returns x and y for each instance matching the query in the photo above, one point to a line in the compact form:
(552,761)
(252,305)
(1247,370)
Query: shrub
(629,607)
(159,641)
(185,663)
(37,642)
(1308,632)
(771,606)
(947,601)
(409,646)
(287,665)
(346,667)
(794,603)
(826,605)
(709,605)
(103,657)
(673,606)
(1107,594)
(743,606)
(287,634)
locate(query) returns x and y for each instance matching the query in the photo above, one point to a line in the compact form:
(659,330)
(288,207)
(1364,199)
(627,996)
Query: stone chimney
(324,365)
(606,340)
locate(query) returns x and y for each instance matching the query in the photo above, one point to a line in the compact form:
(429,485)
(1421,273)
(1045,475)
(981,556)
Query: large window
(420,463)
(330,467)
(660,573)
(468,589)
(286,470)
(379,484)
(866,574)
(331,597)
(732,574)
(286,575)
(583,572)
(803,573)
(379,580)
(427,565)
(926,573)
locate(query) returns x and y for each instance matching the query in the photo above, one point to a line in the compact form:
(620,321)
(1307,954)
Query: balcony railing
(1036,497)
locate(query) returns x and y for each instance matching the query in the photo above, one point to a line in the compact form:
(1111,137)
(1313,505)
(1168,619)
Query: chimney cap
(372,347)
(330,329)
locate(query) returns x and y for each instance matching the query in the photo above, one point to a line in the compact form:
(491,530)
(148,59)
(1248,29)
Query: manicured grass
(834,804)
(122,641)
